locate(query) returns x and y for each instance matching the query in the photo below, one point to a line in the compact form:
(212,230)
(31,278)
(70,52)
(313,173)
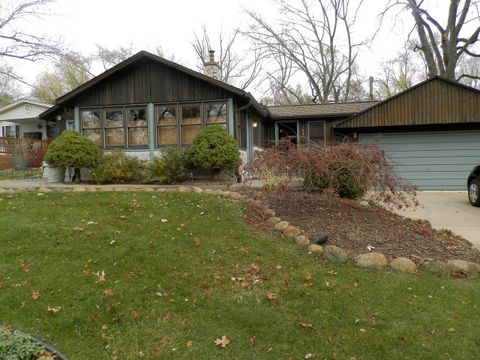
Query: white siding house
(21,120)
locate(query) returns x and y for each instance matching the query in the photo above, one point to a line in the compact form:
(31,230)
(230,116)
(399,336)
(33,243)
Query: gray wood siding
(431,160)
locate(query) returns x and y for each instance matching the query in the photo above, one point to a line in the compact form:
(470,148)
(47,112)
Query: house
(430,132)
(21,120)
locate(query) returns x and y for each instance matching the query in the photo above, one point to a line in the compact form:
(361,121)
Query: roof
(21,102)
(433,101)
(319,110)
(146,55)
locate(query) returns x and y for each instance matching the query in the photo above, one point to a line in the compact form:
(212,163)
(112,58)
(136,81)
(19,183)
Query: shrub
(346,170)
(15,345)
(213,148)
(169,168)
(74,150)
(117,168)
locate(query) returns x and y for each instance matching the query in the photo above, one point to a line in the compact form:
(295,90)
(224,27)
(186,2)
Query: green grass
(172,283)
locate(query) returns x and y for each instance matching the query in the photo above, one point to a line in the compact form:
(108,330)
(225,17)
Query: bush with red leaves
(347,170)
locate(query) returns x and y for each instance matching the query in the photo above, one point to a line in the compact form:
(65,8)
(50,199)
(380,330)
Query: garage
(430,132)
(439,160)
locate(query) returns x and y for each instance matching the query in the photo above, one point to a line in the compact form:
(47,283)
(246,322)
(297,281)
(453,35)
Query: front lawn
(149,275)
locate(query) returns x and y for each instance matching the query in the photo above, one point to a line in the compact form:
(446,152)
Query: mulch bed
(358,228)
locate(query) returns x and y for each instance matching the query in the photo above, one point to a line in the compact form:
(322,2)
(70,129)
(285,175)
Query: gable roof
(23,102)
(146,55)
(309,111)
(434,101)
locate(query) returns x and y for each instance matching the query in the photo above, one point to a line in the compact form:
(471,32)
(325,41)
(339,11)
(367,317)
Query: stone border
(332,253)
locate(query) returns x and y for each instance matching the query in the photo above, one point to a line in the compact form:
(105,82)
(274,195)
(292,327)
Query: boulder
(335,254)
(209,192)
(183,189)
(314,248)
(302,241)
(196,189)
(225,194)
(79,189)
(291,232)
(403,264)
(43,190)
(274,220)
(320,239)
(235,195)
(466,267)
(371,260)
(281,226)
(269,213)
(436,267)
(148,189)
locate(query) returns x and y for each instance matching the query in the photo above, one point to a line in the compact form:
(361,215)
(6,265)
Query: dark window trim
(324,131)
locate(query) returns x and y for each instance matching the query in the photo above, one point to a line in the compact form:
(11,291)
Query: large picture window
(114,128)
(191,122)
(166,119)
(216,114)
(92,126)
(316,132)
(137,127)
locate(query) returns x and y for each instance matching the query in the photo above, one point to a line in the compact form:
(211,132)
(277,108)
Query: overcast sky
(171,24)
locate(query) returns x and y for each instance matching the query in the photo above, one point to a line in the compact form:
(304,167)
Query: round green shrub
(213,148)
(73,150)
(169,168)
(117,168)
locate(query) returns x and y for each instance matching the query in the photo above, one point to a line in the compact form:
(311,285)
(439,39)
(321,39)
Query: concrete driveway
(449,210)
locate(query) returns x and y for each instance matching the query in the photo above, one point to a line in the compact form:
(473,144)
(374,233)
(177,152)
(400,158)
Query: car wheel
(474,192)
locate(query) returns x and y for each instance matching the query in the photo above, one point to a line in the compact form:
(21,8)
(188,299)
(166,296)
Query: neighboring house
(21,120)
(430,132)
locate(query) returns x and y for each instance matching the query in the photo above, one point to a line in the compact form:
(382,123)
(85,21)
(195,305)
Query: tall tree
(111,57)
(8,88)
(317,36)
(443,44)
(236,68)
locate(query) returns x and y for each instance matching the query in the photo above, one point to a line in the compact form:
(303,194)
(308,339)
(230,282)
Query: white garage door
(431,160)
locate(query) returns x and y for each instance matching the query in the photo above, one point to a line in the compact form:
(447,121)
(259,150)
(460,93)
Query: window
(114,128)
(92,126)
(217,114)
(191,123)
(166,120)
(316,132)
(137,127)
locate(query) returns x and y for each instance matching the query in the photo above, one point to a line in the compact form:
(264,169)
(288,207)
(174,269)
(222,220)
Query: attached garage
(430,133)
(439,160)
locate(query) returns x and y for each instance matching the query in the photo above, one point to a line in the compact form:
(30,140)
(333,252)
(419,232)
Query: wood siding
(148,81)
(436,101)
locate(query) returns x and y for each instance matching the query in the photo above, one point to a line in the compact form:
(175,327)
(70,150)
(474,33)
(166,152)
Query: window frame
(128,127)
(157,126)
(105,127)
(100,120)
(324,131)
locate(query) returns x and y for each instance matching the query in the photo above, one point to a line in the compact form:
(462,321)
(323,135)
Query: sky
(171,24)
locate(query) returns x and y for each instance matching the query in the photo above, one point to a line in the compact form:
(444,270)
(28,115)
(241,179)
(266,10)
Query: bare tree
(443,45)
(236,68)
(469,67)
(317,37)
(111,57)
(17,42)
(8,86)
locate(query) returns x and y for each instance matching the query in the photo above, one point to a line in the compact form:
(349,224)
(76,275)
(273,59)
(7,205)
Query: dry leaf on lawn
(223,342)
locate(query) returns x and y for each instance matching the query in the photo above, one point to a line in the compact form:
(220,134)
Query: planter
(53,174)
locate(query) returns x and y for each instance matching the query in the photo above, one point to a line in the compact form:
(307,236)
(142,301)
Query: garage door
(431,160)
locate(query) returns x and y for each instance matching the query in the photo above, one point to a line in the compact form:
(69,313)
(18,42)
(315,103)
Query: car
(473,186)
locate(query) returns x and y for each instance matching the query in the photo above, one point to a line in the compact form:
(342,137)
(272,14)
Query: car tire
(474,192)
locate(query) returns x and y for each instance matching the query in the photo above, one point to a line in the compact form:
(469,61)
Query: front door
(287,130)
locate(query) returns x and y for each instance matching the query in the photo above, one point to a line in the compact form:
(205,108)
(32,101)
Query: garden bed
(360,229)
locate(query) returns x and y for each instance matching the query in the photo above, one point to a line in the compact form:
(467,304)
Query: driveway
(449,210)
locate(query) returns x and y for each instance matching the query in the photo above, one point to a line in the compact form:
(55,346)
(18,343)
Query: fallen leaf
(252,342)
(35,294)
(306,325)
(77,229)
(104,327)
(25,265)
(272,297)
(90,234)
(100,277)
(223,342)
(254,269)
(196,241)
(54,309)
(189,343)
(107,292)
(135,314)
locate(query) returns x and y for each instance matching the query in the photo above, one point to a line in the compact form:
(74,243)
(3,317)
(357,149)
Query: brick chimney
(211,67)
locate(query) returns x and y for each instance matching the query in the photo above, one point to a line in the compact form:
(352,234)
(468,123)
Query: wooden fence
(32,150)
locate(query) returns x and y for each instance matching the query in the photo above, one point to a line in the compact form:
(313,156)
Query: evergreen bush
(117,168)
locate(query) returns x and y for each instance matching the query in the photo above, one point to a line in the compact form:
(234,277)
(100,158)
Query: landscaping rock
(183,189)
(371,260)
(148,189)
(196,189)
(321,239)
(235,195)
(273,220)
(43,190)
(302,241)
(436,267)
(91,188)
(314,248)
(291,232)
(209,192)
(281,226)
(269,213)
(218,192)
(225,194)
(335,254)
(403,264)
(79,189)
(161,190)
(466,267)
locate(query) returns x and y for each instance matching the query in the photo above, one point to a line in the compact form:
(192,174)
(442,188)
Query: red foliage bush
(346,170)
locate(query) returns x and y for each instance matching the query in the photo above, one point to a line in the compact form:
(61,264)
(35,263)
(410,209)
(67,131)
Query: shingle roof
(319,110)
